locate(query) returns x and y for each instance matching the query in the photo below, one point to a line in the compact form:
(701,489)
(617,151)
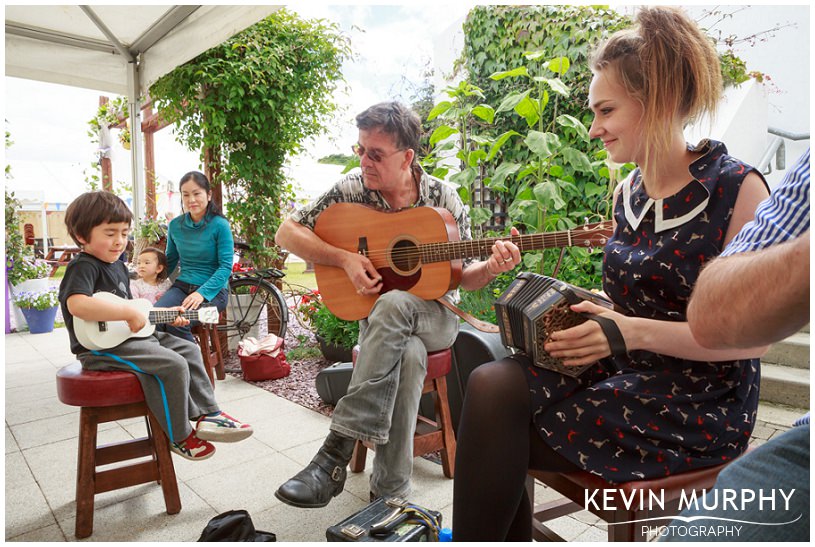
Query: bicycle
(256,306)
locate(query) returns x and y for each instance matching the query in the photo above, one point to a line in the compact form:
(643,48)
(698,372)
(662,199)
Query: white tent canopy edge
(117,49)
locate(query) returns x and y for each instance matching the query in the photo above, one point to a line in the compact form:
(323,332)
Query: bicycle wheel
(255,308)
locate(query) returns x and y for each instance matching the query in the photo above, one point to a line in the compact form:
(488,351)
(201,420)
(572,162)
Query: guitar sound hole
(405,257)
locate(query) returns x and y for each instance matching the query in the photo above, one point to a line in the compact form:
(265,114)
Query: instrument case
(358,526)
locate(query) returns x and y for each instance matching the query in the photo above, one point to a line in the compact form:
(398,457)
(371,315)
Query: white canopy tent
(117,49)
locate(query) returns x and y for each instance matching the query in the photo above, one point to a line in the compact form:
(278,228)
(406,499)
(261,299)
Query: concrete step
(784,385)
(790,352)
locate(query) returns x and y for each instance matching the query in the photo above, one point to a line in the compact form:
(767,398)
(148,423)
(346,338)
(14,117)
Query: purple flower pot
(40,321)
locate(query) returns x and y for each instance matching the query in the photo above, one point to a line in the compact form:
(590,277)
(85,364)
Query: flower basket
(40,321)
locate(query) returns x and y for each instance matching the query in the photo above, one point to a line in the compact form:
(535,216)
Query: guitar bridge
(103,326)
(362,246)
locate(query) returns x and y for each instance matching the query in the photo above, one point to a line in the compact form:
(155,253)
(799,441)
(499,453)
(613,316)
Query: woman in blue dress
(200,241)
(661,404)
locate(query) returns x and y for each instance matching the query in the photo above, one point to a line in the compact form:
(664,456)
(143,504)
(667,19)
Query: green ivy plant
(254,100)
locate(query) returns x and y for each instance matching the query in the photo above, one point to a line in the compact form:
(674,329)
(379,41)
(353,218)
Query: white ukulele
(107,334)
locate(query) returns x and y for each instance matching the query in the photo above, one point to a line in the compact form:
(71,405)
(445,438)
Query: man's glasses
(373,155)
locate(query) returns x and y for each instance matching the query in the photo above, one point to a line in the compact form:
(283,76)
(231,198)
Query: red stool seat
(430,435)
(78,387)
(106,396)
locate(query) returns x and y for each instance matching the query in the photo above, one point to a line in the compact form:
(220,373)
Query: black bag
(234,526)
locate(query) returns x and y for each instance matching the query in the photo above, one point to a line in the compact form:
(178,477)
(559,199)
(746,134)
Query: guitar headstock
(592,235)
(208,315)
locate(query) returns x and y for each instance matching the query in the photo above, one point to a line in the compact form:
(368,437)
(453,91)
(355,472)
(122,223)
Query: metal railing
(777,148)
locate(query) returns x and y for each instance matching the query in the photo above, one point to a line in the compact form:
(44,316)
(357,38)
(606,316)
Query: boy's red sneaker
(193,448)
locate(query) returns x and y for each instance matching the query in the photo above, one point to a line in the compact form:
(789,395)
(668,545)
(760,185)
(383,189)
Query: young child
(153,278)
(170,369)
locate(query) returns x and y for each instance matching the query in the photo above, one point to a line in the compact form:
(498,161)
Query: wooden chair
(431,435)
(577,485)
(210,342)
(106,397)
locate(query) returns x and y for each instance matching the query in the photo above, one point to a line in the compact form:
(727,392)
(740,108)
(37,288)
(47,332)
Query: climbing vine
(255,99)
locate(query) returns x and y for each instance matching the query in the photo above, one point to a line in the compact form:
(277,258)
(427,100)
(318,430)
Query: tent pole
(136,153)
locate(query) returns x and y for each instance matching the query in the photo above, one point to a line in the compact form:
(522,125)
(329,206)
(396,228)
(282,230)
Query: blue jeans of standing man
(781,463)
(383,395)
(175,295)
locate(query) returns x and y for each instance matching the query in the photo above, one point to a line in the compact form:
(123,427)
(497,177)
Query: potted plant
(39,309)
(336,337)
(148,234)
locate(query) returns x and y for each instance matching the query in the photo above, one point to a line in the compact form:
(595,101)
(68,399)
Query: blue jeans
(175,295)
(781,463)
(383,395)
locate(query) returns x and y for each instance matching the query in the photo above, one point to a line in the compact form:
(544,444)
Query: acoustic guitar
(108,334)
(416,250)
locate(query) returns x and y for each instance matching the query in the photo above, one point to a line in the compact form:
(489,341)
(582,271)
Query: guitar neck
(454,250)
(157,317)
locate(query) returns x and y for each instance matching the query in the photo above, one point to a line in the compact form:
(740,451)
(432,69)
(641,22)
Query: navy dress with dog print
(647,415)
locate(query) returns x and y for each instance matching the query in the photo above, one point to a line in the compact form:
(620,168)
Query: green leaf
(440,172)
(557,85)
(528,109)
(484,112)
(511,100)
(548,195)
(592,189)
(441,133)
(480,215)
(534,55)
(499,142)
(501,173)
(577,159)
(542,144)
(464,193)
(464,178)
(558,65)
(566,120)
(520,71)
(475,156)
(439,109)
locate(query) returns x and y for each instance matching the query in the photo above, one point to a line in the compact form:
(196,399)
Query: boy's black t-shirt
(87,275)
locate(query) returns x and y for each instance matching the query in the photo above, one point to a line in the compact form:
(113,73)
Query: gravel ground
(298,386)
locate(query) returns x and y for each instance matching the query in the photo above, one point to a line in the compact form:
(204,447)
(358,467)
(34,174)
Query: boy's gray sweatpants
(172,375)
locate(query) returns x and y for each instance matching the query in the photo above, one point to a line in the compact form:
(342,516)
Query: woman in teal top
(200,241)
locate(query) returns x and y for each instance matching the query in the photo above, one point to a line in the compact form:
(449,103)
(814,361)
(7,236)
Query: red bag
(264,366)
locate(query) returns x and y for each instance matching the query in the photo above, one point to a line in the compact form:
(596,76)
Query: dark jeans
(175,295)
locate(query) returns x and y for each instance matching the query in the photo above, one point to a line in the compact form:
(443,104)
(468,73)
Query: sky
(48,122)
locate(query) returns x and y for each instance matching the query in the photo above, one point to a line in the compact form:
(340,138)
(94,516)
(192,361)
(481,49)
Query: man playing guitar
(383,396)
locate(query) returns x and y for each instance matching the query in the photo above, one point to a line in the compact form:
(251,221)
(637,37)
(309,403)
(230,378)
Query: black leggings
(497,443)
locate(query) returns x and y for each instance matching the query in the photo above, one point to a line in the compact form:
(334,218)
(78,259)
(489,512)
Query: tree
(253,101)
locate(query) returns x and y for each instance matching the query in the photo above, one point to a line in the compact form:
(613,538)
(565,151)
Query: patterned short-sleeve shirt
(432,193)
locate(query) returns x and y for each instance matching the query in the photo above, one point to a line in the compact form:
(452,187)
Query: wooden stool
(575,486)
(106,397)
(210,343)
(430,435)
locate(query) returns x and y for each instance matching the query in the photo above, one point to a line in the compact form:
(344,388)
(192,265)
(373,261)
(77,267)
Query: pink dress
(140,289)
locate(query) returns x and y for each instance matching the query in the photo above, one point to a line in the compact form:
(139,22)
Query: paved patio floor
(41,445)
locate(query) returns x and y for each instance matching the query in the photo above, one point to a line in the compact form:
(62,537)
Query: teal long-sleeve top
(204,250)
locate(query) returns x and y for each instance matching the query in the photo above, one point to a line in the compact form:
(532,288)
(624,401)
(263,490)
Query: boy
(170,369)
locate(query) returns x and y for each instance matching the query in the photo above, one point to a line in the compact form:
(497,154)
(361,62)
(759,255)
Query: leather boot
(323,478)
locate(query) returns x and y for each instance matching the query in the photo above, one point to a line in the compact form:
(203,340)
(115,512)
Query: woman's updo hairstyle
(668,64)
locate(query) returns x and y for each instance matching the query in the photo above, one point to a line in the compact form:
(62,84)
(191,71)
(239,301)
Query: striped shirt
(781,217)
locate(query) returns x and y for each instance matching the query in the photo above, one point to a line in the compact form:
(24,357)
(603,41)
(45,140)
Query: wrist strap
(615,338)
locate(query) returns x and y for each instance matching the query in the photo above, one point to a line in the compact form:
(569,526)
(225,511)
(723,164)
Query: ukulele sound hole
(404,257)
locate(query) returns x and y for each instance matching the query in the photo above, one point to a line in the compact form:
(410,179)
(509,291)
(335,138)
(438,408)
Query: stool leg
(85,472)
(358,458)
(167,478)
(219,356)
(448,452)
(203,344)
